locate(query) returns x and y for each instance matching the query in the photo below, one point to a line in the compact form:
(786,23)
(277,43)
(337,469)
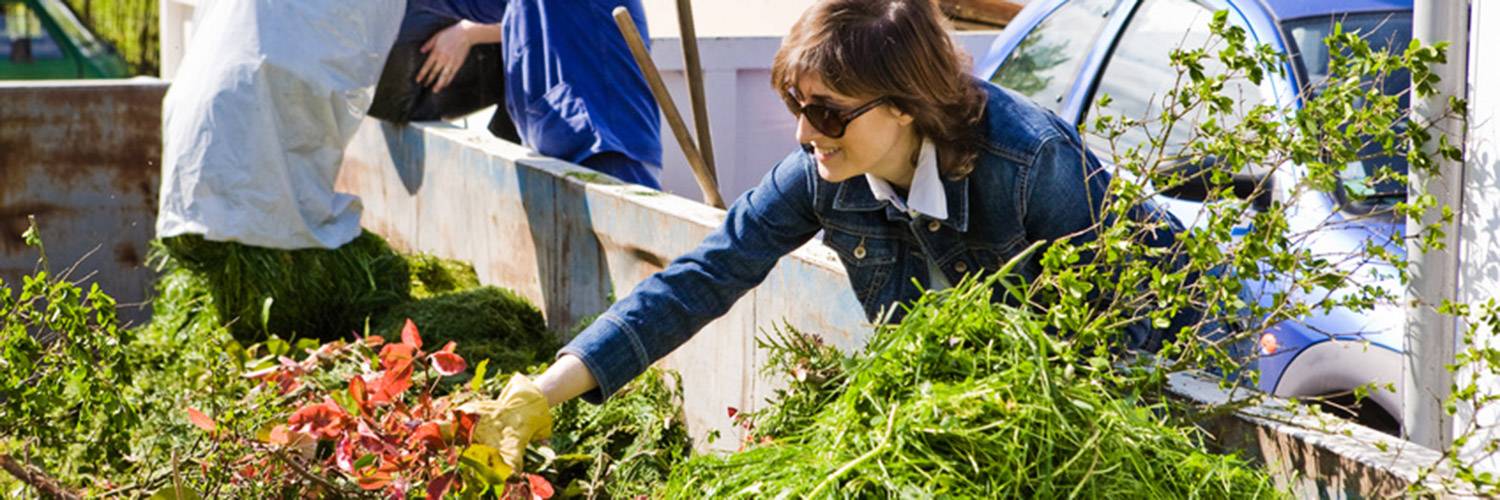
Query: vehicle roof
(1283,10)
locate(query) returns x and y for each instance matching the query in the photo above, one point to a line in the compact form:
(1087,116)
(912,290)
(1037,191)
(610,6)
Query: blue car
(1065,53)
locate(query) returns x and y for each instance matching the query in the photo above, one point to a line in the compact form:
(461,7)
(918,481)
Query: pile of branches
(964,398)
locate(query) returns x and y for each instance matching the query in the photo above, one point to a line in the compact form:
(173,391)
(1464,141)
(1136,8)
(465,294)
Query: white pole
(1431,338)
(174,18)
(1480,250)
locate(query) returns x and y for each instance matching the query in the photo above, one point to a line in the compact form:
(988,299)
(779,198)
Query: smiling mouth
(823,154)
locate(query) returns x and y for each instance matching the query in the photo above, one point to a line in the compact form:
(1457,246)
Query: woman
(914,171)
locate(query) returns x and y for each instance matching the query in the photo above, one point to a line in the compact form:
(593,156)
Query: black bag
(479,83)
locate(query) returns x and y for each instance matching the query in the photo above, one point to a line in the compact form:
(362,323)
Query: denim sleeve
(668,308)
(1064,192)
(479,11)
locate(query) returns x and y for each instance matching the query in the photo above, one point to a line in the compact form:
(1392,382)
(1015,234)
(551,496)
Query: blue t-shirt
(572,86)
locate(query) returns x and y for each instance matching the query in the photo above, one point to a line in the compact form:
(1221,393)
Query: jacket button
(933,225)
(961,267)
(859,252)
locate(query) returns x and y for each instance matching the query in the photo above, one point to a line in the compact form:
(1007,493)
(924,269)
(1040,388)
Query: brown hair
(899,49)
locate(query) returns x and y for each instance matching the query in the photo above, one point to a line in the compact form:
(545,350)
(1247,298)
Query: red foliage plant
(383,436)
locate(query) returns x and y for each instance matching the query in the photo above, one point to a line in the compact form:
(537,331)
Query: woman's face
(880,141)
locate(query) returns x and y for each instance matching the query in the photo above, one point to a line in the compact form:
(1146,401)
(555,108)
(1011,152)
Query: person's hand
(446,52)
(512,421)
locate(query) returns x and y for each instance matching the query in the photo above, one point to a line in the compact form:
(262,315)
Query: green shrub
(316,293)
(65,373)
(431,275)
(130,26)
(486,322)
(626,447)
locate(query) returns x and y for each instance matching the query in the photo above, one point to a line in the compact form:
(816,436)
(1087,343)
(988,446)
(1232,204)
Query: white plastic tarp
(255,124)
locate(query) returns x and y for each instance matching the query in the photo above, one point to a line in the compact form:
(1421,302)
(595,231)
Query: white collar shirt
(926,197)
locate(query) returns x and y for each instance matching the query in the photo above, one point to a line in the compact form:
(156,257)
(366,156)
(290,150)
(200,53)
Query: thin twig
(306,474)
(35,477)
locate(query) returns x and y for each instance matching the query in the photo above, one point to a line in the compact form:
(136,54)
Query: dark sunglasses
(831,122)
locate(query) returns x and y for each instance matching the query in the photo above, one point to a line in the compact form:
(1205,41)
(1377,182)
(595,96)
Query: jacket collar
(926,195)
(854,195)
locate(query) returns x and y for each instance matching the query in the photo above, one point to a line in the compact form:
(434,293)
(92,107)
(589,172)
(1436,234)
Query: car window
(71,27)
(23,39)
(1386,32)
(1139,73)
(1043,66)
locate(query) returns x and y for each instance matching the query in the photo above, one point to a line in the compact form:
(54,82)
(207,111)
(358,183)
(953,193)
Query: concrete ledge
(1312,456)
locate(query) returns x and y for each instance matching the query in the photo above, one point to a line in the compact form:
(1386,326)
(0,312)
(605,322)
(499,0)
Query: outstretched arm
(670,307)
(663,312)
(566,379)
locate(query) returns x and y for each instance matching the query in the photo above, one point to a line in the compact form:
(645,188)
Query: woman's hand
(448,49)
(510,422)
(523,410)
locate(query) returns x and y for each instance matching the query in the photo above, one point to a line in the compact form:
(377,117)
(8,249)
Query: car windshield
(70,24)
(1384,31)
(1045,64)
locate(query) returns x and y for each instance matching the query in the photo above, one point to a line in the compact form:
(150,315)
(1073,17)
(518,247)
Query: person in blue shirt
(571,86)
(913,170)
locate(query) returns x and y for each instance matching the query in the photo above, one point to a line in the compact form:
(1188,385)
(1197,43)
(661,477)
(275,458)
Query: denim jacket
(1033,181)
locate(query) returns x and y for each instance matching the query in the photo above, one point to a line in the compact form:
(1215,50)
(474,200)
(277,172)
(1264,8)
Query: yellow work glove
(512,421)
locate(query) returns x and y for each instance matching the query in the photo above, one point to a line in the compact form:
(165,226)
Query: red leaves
(284,377)
(390,385)
(359,393)
(374,479)
(463,431)
(202,421)
(447,363)
(439,486)
(324,420)
(409,335)
(429,435)
(396,353)
(343,454)
(397,360)
(540,488)
(386,437)
(533,488)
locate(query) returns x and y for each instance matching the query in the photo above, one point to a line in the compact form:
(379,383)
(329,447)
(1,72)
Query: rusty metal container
(84,158)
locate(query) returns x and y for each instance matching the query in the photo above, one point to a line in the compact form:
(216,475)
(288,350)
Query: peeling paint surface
(84,159)
(1312,456)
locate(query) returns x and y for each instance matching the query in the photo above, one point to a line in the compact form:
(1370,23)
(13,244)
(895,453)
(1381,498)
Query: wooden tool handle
(694,67)
(705,180)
